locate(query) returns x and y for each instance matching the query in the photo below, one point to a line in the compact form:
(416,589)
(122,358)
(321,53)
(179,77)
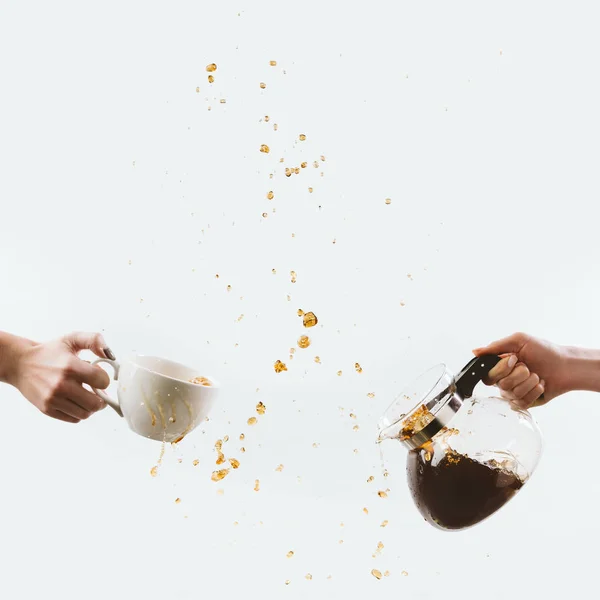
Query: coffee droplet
(339,373)
(279,468)
(273,63)
(308,576)
(211,68)
(388,201)
(382,494)
(264,148)
(211,79)
(370,395)
(252,421)
(318,360)
(256,485)
(300,312)
(290,554)
(366,511)
(270,195)
(220,474)
(293,276)
(177,500)
(309,319)
(303,341)
(261,408)
(304,165)
(377,574)
(384,523)
(302,137)
(279,366)
(234,462)
(358,368)
(263,85)
(154,471)
(371,479)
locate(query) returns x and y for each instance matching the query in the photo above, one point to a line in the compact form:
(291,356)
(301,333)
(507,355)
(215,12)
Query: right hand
(530,367)
(51,375)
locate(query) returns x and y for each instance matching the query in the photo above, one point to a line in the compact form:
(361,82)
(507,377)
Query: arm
(541,367)
(51,376)
(11,347)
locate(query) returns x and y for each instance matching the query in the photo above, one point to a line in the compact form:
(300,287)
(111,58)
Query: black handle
(473,372)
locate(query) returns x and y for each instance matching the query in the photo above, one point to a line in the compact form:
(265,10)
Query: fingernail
(543,384)
(512,361)
(109,353)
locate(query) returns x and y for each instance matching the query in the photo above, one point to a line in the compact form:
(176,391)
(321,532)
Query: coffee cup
(160,399)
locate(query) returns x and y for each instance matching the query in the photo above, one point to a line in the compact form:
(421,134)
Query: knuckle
(55,389)
(68,370)
(535,378)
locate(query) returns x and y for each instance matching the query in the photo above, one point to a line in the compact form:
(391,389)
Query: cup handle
(114,404)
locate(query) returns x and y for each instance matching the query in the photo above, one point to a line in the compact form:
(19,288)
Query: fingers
(93,375)
(543,398)
(86,400)
(512,343)
(517,376)
(525,394)
(79,340)
(501,370)
(534,397)
(69,408)
(61,416)
(523,389)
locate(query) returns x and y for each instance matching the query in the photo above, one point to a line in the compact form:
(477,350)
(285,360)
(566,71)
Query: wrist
(583,369)
(12,349)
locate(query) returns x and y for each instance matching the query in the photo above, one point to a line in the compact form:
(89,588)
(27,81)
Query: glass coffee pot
(468,455)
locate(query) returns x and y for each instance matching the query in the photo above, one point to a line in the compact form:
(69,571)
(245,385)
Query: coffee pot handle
(114,404)
(474,372)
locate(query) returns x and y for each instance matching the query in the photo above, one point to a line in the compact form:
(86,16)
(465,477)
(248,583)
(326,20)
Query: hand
(51,375)
(529,368)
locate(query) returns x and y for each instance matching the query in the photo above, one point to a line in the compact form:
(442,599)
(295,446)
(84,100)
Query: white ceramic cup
(157,398)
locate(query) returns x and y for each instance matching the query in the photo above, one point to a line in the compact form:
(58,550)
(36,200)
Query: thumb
(511,344)
(79,340)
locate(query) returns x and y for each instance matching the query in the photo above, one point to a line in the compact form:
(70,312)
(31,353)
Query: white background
(122,196)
